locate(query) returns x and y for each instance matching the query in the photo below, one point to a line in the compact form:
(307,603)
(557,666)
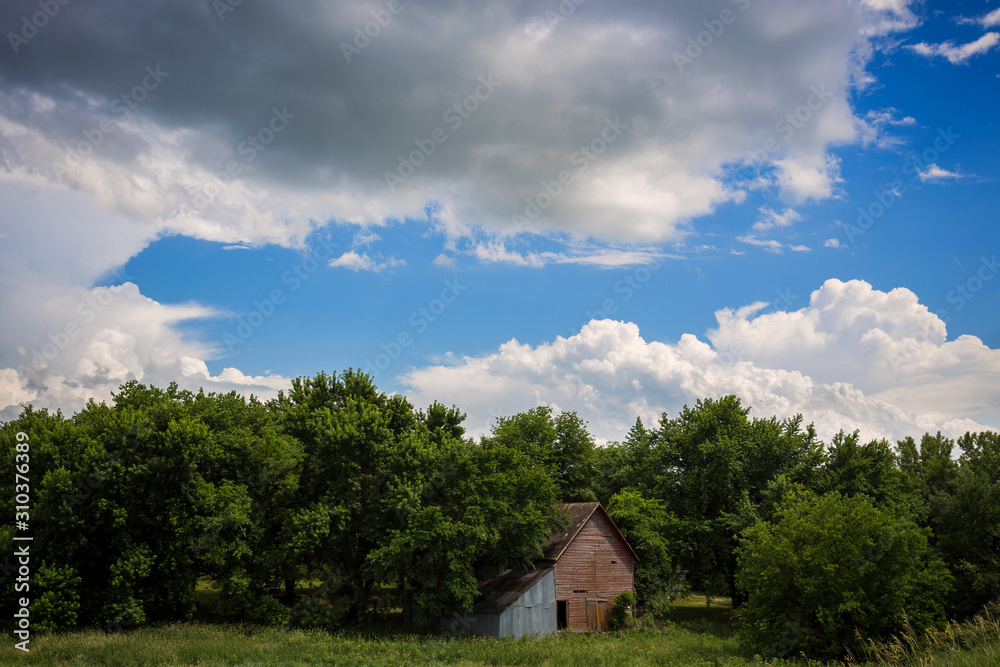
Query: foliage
(956,644)
(622,614)
(830,565)
(644,523)
(855,468)
(488,509)
(136,500)
(55,600)
(967,523)
(376,646)
(628,465)
(713,459)
(561,445)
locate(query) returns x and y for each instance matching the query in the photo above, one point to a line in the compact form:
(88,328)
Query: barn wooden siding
(596,565)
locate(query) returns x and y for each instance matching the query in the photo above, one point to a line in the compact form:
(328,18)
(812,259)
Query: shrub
(831,567)
(57,602)
(623,611)
(659,607)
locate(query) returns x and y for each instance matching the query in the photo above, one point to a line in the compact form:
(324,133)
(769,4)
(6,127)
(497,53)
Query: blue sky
(790,201)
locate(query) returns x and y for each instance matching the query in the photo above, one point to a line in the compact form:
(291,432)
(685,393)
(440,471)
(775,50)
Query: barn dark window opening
(579,591)
(561,615)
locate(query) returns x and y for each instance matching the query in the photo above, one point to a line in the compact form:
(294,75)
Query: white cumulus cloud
(854,358)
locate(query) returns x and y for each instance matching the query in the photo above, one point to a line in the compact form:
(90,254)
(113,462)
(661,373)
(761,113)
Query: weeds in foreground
(976,641)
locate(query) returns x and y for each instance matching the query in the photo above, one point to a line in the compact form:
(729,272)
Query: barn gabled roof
(579,514)
(504,590)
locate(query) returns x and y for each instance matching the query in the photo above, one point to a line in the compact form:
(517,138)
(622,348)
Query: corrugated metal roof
(504,590)
(579,514)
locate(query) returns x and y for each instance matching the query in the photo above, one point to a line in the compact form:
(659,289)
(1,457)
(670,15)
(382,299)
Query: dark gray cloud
(693,86)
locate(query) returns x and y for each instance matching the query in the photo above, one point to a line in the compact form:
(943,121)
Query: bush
(660,607)
(623,611)
(831,567)
(57,601)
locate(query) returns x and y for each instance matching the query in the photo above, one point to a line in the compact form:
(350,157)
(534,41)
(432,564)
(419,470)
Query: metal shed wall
(533,614)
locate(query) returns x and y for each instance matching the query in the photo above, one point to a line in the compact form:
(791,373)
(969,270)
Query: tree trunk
(734,593)
(289,588)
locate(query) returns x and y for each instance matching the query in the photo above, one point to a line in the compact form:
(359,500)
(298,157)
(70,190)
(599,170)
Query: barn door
(597,615)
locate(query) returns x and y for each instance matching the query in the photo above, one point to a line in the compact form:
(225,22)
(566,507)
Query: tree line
(383,505)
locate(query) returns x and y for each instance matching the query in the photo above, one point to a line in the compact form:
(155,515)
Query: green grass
(692,613)
(699,635)
(187,644)
(974,642)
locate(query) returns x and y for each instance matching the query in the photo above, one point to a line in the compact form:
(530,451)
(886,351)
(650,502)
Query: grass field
(231,645)
(699,635)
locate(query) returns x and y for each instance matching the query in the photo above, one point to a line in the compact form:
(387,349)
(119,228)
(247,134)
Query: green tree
(967,523)
(712,460)
(115,504)
(645,523)
(482,510)
(245,505)
(854,468)
(830,566)
(561,445)
(362,459)
(626,465)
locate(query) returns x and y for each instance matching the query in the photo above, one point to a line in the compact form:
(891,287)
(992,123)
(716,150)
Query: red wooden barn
(592,562)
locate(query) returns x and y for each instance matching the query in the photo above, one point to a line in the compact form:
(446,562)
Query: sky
(616,208)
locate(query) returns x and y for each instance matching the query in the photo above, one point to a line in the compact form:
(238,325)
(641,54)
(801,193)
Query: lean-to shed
(518,603)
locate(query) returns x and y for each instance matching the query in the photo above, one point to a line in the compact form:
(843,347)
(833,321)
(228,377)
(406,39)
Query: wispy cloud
(769,245)
(957,54)
(609,258)
(770,218)
(444,260)
(355,262)
(612,258)
(496,252)
(365,238)
(936,173)
(876,127)
(989,20)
